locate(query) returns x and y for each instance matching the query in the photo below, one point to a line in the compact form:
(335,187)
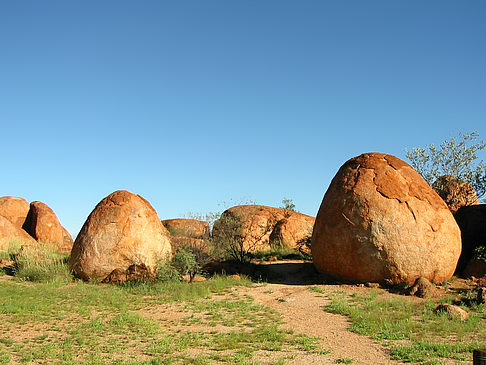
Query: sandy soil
(302,312)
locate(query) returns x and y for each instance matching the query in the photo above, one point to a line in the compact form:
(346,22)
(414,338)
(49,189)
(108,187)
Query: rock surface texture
(14,209)
(42,224)
(187,228)
(10,233)
(472,222)
(260,227)
(190,234)
(381,222)
(123,230)
(456,194)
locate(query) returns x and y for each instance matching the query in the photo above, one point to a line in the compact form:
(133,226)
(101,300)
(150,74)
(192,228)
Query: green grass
(412,330)
(140,323)
(279,254)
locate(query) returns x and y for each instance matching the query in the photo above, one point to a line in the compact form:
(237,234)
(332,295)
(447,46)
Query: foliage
(40,263)
(288,204)
(279,254)
(166,272)
(185,263)
(456,157)
(479,253)
(231,242)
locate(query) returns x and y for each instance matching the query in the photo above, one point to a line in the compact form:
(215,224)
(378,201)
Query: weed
(344,360)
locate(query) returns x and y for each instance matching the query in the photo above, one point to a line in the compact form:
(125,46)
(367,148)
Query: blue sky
(195,103)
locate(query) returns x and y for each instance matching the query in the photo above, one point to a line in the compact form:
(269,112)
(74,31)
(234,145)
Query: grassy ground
(159,323)
(410,327)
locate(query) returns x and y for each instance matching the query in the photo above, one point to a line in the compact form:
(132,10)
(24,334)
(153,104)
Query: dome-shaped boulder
(42,224)
(121,231)
(15,209)
(380,221)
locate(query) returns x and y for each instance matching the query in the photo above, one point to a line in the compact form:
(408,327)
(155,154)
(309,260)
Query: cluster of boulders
(379,222)
(31,223)
(261,228)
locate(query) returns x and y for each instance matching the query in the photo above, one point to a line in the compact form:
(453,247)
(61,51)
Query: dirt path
(287,292)
(302,312)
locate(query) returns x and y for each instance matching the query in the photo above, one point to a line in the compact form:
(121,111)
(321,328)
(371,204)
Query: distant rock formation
(33,222)
(260,228)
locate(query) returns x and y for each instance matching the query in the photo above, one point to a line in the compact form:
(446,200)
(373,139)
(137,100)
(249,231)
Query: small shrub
(166,271)
(185,263)
(479,253)
(42,264)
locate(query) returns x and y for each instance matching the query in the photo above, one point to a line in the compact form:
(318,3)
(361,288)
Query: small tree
(288,204)
(455,157)
(237,240)
(186,263)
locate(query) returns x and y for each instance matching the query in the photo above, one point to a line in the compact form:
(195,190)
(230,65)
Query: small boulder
(453,311)
(14,209)
(381,222)
(423,288)
(43,224)
(133,273)
(123,230)
(455,193)
(195,279)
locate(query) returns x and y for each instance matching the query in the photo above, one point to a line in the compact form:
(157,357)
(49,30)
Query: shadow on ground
(289,272)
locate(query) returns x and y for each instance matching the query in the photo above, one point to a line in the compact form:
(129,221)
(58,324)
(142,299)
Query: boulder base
(12,236)
(123,230)
(381,222)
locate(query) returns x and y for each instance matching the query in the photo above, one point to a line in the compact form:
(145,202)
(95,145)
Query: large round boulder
(259,228)
(14,209)
(455,193)
(123,230)
(12,237)
(381,222)
(43,224)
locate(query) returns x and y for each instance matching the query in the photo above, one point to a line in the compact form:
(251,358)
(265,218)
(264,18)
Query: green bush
(166,271)
(479,253)
(185,263)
